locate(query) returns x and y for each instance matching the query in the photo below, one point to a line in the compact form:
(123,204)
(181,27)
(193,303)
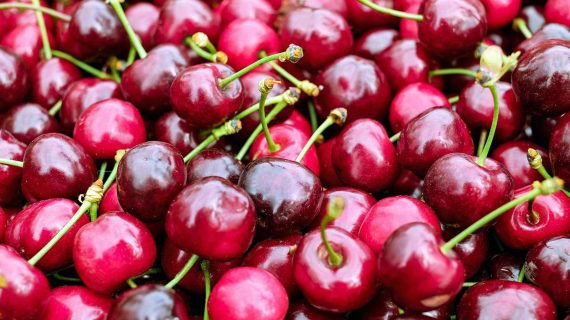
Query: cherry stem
(56,107)
(198,41)
(535,160)
(489,142)
(265,87)
(520,25)
(43,31)
(10,162)
(482,139)
(26,6)
(228,128)
(392,12)
(64,278)
(293,54)
(337,116)
(395,137)
(521,274)
(82,65)
(546,187)
(102,170)
(312,115)
(469,284)
(93,195)
(306,86)
(182,273)
(453,71)
(131,57)
(132,283)
(205,265)
(255,108)
(334,209)
(453,100)
(135,41)
(113,175)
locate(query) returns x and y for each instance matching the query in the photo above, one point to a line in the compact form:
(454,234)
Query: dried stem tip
(200,39)
(221,57)
(267,84)
(534,158)
(294,53)
(339,115)
(95,192)
(119,155)
(549,186)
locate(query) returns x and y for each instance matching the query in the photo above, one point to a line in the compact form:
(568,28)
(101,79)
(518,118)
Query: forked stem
(336,116)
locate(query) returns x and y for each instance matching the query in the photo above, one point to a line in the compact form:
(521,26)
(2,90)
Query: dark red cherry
(431,135)
(513,156)
(110,201)
(219,215)
(149,176)
(339,7)
(560,148)
(505,266)
(328,175)
(546,32)
(362,17)
(111,250)
(356,84)
(143,17)
(461,192)
(50,79)
(557,11)
(151,301)
(501,299)
(286,194)
(408,184)
(341,288)
(501,12)
(108,126)
(412,258)
(547,266)
(182,18)
(214,163)
(276,256)
(75,302)
(260,10)
(539,77)
(55,166)
(389,214)
(364,158)
(239,292)
(146,83)
(298,120)
(374,42)
(16,82)
(452,27)
(302,310)
(24,286)
(3,224)
(323,35)
(26,42)
(472,251)
(28,121)
(198,99)
(10,176)
(16,17)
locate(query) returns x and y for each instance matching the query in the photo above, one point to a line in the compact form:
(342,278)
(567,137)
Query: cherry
(431,135)
(149,176)
(339,7)
(557,11)
(301,310)
(214,163)
(356,84)
(110,201)
(276,256)
(182,18)
(10,176)
(364,156)
(15,17)
(412,258)
(15,88)
(296,119)
(147,81)
(83,93)
(111,250)
(460,191)
(533,15)
(150,301)
(143,17)
(505,299)
(472,251)
(220,215)
(28,121)
(374,42)
(287,195)
(547,32)
(108,126)
(538,78)
(323,35)
(50,79)
(501,12)
(26,42)
(239,292)
(505,266)
(452,27)
(409,27)
(408,184)
(260,10)
(513,156)
(75,302)
(24,286)
(560,148)
(328,174)
(55,166)
(362,17)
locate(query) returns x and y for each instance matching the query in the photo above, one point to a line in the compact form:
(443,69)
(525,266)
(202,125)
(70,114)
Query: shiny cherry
(14,89)
(472,251)
(260,10)
(214,163)
(298,120)
(151,301)
(408,27)
(513,156)
(26,42)
(547,32)
(362,17)
(110,201)
(505,266)
(50,79)
(75,302)
(28,121)
(501,12)
(328,175)
(10,176)
(143,17)
(557,11)
(533,15)
(302,310)
(374,42)
(408,184)
(182,18)
(560,148)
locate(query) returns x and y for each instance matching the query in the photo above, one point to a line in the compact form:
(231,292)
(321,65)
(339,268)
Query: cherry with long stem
(82,65)
(535,161)
(453,71)
(182,273)
(520,25)
(205,266)
(43,31)
(483,155)
(306,86)
(336,116)
(199,41)
(26,6)
(334,210)
(265,87)
(392,12)
(228,128)
(135,41)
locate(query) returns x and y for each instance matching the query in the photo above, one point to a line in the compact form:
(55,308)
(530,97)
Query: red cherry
(17,17)
(362,17)
(50,79)
(557,11)
(533,15)
(28,121)
(75,302)
(182,18)
(328,175)
(150,301)
(260,10)
(505,266)
(10,176)
(409,27)
(408,184)
(374,42)
(513,156)
(15,89)
(296,119)
(110,201)
(26,42)
(339,7)
(501,12)
(214,163)
(472,251)
(547,32)
(301,310)
(143,18)
(560,148)
(3,224)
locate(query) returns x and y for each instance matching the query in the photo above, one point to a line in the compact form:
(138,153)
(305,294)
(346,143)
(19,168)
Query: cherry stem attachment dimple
(82,65)
(453,71)
(265,87)
(334,210)
(306,86)
(182,273)
(135,41)
(545,187)
(13,163)
(43,31)
(483,156)
(26,6)
(336,116)
(395,137)
(392,12)
(520,25)
(205,266)
(535,161)
(229,127)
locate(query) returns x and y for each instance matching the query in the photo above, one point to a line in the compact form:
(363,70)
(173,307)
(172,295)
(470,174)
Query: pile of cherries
(284,159)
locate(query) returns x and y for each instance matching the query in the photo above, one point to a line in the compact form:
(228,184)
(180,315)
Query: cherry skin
(55,166)
(461,192)
(10,176)
(111,250)
(341,288)
(408,27)
(75,302)
(473,251)
(143,17)
(557,11)
(151,301)
(452,27)
(182,18)
(374,42)
(16,17)
(546,32)
(500,299)
(412,258)
(25,287)
(323,35)
(276,256)
(339,7)
(302,310)
(3,224)
(412,100)
(260,10)
(220,215)
(356,84)
(533,15)
(214,163)
(408,184)
(328,175)
(108,126)
(501,12)
(286,194)
(389,214)
(28,121)
(291,141)
(50,79)
(248,293)
(110,201)
(15,88)
(149,176)
(298,120)
(198,99)
(26,42)
(513,156)
(505,266)
(362,17)
(364,158)
(146,83)
(431,135)
(560,148)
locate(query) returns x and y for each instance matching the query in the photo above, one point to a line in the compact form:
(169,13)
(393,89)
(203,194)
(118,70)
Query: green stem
(395,137)
(489,142)
(102,170)
(255,108)
(205,269)
(453,100)
(132,56)
(64,278)
(14,163)
(114,73)
(334,209)
(93,212)
(210,56)
(56,107)
(203,145)
(542,171)
(392,12)
(482,139)
(520,25)
(182,273)
(135,41)
(111,178)
(132,283)
(26,6)
(43,31)
(521,274)
(469,284)
(222,83)
(306,86)
(327,123)
(271,145)
(312,115)
(453,71)
(228,128)
(82,65)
